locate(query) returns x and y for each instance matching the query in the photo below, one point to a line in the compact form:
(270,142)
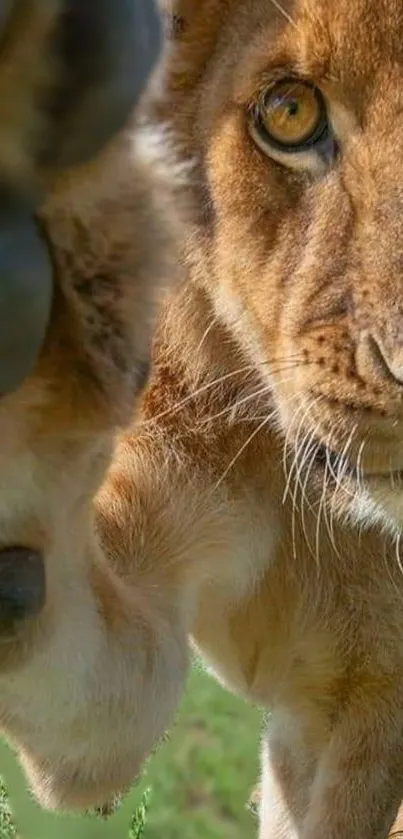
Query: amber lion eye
(292,116)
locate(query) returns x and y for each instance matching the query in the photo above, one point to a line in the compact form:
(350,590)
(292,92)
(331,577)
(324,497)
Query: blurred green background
(201,778)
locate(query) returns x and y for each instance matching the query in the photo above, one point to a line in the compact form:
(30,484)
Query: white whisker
(398,557)
(206,333)
(283,12)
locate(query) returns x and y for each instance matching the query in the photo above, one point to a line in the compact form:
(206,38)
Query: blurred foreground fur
(110,219)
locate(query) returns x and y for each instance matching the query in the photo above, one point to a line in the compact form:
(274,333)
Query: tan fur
(226,518)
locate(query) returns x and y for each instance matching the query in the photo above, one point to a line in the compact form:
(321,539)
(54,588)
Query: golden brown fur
(234,515)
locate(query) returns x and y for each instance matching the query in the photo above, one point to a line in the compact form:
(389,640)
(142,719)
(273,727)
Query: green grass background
(201,778)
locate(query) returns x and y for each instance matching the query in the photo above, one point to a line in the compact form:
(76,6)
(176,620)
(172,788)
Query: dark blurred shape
(108,49)
(22,587)
(99,55)
(25,294)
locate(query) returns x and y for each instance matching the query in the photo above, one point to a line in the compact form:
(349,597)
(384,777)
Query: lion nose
(385,359)
(389,358)
(22,587)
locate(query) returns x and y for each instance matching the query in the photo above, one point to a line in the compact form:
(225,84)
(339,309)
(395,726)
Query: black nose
(22,586)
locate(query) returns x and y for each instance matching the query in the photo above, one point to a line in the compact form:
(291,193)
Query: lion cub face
(294,111)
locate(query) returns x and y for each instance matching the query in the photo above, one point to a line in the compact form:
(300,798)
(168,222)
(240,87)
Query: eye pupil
(293,108)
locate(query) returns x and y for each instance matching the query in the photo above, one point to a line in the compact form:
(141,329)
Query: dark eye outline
(317,141)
